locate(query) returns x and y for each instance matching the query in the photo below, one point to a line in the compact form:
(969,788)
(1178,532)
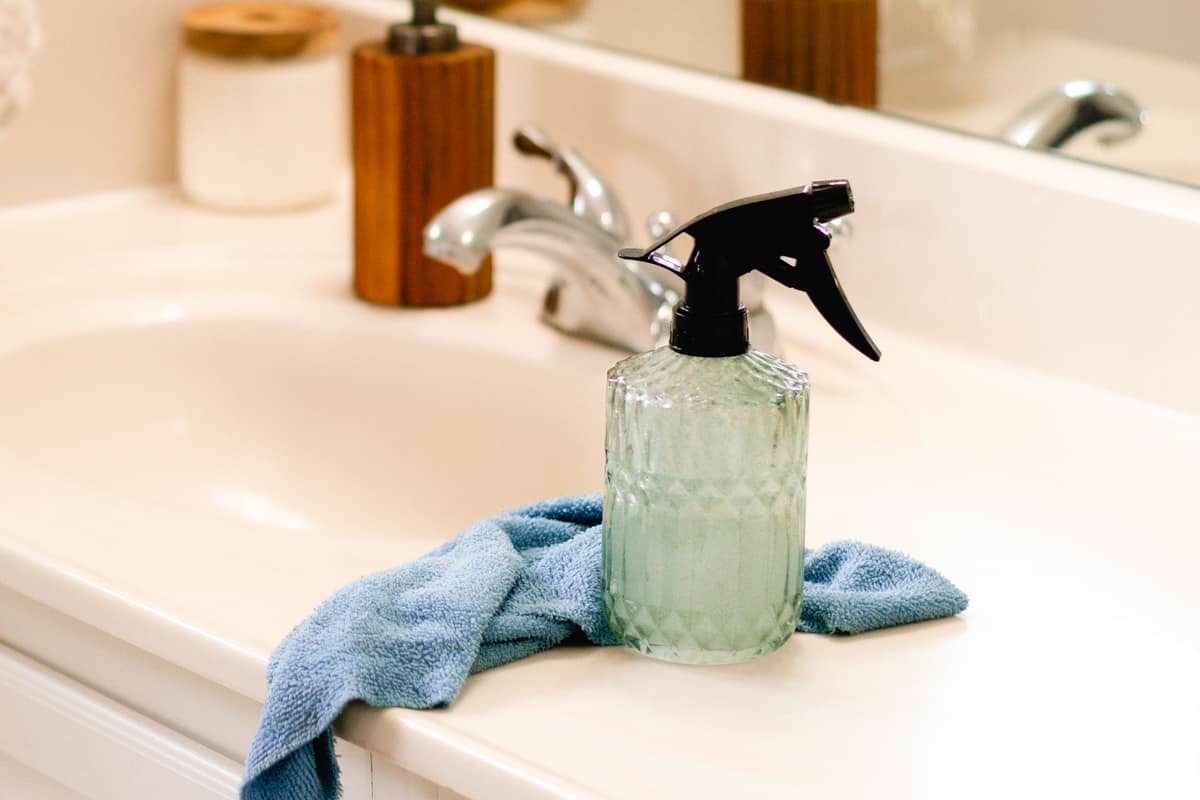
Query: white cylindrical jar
(261,122)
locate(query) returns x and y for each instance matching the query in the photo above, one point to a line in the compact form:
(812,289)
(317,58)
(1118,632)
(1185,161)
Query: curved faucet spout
(1075,106)
(595,295)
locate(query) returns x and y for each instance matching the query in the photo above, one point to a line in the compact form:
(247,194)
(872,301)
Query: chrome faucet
(594,294)
(1075,106)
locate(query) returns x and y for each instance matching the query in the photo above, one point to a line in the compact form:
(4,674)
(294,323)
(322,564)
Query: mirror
(1113,83)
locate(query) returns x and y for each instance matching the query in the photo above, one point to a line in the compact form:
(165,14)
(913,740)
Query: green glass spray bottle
(707,441)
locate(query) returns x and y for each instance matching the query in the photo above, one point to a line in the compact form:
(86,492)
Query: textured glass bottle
(704,504)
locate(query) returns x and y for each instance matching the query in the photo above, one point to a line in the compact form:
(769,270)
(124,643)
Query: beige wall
(103,110)
(102,102)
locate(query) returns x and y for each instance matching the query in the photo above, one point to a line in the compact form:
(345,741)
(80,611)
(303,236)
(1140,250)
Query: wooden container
(423,136)
(826,48)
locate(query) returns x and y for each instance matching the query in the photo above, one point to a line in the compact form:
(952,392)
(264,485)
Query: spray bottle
(706,441)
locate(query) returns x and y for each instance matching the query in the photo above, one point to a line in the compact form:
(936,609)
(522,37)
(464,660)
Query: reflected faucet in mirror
(1072,108)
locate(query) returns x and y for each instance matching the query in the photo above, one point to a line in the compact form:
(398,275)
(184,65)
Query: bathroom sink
(307,412)
(203,436)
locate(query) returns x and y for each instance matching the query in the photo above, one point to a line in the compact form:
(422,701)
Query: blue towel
(510,586)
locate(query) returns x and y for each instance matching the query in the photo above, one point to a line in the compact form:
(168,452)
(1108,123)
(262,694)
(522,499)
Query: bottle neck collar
(710,334)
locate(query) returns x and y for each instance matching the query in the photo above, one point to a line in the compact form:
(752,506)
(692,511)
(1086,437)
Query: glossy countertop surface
(1066,513)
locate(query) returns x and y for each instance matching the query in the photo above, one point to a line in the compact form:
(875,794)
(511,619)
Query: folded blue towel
(510,586)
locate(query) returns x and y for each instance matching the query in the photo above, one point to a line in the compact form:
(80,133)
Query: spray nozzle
(830,199)
(780,234)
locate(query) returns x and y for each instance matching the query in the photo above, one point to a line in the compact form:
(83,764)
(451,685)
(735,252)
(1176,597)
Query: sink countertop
(1066,513)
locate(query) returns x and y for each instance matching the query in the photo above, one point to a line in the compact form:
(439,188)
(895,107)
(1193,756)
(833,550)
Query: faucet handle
(592,199)
(531,140)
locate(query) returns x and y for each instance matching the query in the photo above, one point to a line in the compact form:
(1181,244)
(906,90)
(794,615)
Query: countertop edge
(403,736)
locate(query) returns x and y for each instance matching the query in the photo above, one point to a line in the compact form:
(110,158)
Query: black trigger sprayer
(783,236)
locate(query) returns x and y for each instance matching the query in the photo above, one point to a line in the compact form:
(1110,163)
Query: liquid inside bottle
(704,504)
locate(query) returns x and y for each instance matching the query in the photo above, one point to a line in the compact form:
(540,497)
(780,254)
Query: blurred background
(1113,83)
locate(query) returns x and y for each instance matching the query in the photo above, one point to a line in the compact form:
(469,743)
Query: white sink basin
(311,414)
